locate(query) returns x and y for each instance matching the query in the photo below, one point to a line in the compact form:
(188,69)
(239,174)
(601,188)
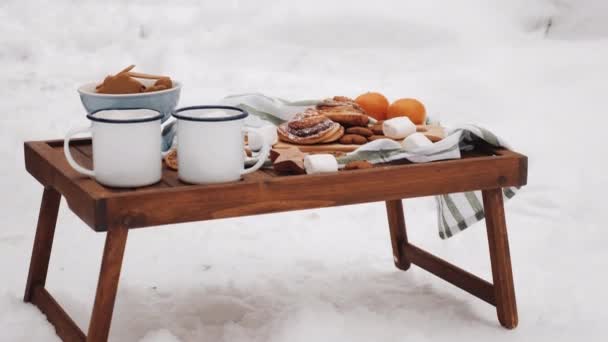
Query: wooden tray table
(116,211)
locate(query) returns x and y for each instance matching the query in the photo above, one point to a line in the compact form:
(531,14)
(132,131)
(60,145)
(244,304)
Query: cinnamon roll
(310,127)
(343,110)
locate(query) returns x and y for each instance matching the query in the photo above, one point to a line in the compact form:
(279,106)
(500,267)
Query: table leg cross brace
(500,294)
(109,274)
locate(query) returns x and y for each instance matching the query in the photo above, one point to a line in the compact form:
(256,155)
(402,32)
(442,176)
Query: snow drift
(532,71)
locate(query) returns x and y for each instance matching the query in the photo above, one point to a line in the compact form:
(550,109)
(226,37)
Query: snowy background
(533,71)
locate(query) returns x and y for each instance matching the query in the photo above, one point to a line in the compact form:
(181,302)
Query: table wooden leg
(500,258)
(101,318)
(43,241)
(396,223)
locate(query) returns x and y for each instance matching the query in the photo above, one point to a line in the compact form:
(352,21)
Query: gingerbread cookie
(355,139)
(171,159)
(364,131)
(358,165)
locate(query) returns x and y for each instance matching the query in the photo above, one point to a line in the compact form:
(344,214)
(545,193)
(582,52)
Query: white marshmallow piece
(416,141)
(398,128)
(320,163)
(269,134)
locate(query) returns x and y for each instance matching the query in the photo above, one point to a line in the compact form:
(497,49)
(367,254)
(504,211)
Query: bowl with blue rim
(163,101)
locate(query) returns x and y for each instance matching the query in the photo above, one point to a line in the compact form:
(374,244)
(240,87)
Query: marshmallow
(415,141)
(269,134)
(320,163)
(398,128)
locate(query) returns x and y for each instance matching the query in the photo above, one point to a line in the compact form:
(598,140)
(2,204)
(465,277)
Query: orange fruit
(375,104)
(411,108)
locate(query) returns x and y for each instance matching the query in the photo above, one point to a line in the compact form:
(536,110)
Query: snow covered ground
(533,71)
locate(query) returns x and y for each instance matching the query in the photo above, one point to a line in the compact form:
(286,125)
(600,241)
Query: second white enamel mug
(210,144)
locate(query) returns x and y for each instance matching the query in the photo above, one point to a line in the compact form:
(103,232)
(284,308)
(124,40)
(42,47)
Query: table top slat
(87,150)
(170,177)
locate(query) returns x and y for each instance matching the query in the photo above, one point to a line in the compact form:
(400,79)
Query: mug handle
(261,156)
(68,154)
(167,132)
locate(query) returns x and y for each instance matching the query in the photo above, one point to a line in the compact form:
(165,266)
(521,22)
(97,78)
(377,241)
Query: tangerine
(374,104)
(411,108)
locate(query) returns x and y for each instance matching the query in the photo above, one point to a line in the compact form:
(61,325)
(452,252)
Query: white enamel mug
(210,146)
(126,147)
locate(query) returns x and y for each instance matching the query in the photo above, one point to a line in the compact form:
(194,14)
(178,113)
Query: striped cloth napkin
(455,212)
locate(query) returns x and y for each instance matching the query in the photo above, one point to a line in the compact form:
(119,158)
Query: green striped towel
(456,211)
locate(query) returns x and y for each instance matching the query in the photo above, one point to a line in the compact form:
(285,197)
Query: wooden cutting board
(434,133)
(334,147)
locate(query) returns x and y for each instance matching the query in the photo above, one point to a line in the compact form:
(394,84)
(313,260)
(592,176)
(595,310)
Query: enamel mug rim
(242,113)
(92,116)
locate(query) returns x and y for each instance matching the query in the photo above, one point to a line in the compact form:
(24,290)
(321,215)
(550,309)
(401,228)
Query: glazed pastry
(340,103)
(308,119)
(337,134)
(310,127)
(344,111)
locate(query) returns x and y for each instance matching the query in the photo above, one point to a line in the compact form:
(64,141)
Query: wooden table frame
(116,211)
